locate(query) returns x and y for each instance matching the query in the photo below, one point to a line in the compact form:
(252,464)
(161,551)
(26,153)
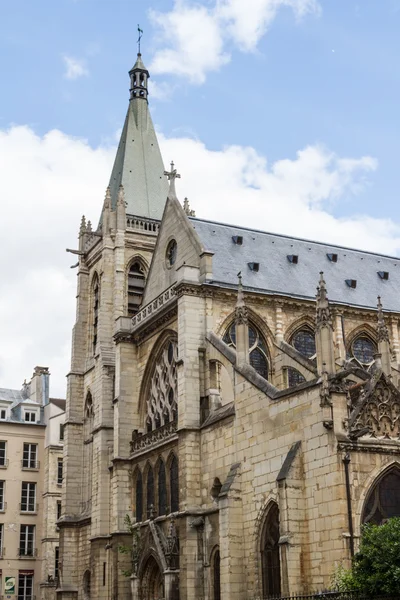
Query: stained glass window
(258,353)
(162,489)
(174,484)
(304,342)
(363,349)
(294,377)
(150,492)
(384,499)
(162,404)
(139,497)
(270,561)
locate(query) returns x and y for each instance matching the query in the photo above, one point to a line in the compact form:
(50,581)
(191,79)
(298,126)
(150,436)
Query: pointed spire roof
(323,316)
(138,165)
(240,309)
(382,330)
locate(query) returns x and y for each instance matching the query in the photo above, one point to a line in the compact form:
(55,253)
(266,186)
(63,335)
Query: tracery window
(150,492)
(174,484)
(139,497)
(162,489)
(304,342)
(294,377)
(136,284)
(258,353)
(88,418)
(162,404)
(363,349)
(384,499)
(270,561)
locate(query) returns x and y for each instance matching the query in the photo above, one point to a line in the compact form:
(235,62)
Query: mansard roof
(353,277)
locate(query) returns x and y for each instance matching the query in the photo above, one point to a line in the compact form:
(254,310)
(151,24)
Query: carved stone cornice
(156,438)
(123,336)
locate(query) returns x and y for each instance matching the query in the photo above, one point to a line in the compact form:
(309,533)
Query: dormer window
(30,416)
(3,414)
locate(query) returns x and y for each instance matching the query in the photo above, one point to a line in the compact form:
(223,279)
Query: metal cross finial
(140,31)
(172,175)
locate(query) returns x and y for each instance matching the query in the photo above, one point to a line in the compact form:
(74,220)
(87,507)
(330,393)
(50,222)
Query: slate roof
(14,396)
(277,275)
(59,402)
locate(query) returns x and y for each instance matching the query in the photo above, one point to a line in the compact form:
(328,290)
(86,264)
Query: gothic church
(246,424)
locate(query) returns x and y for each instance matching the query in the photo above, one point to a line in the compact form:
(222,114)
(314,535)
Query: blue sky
(330,77)
(279,114)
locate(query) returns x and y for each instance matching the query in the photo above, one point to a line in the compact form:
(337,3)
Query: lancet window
(294,377)
(136,284)
(162,489)
(95,316)
(174,484)
(384,499)
(216,563)
(304,342)
(258,352)
(88,418)
(363,349)
(139,497)
(162,407)
(270,561)
(150,492)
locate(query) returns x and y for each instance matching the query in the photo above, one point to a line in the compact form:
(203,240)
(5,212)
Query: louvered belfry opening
(136,283)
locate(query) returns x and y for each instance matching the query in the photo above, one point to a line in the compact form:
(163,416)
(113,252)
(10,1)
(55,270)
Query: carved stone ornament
(242,315)
(377,413)
(382,330)
(323,317)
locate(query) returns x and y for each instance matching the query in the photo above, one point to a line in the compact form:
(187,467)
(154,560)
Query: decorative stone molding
(154,307)
(377,413)
(154,438)
(150,226)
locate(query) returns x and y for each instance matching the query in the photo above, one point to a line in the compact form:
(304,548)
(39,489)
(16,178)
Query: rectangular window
(60,471)
(2,486)
(1,538)
(25,587)
(3,414)
(28,497)
(56,560)
(30,416)
(3,459)
(29,457)
(61,432)
(58,510)
(27,540)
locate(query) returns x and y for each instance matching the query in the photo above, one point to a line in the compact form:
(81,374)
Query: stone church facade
(245,423)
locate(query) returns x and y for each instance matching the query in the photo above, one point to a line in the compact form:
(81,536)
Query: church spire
(324,331)
(138,165)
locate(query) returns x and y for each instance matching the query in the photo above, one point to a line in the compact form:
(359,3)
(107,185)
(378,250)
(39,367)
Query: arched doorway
(152,581)
(86,585)
(383,501)
(269,547)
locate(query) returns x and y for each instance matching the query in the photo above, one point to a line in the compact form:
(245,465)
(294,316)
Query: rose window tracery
(162,407)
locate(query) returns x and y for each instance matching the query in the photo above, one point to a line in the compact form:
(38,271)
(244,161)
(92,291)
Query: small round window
(172,250)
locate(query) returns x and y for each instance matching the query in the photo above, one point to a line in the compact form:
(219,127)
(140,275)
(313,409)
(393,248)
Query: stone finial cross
(172,175)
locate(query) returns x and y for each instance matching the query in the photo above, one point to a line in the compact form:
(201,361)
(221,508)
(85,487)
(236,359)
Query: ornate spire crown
(323,316)
(382,330)
(172,175)
(139,75)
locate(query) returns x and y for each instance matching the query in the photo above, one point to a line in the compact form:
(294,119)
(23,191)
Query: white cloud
(50,181)
(196,38)
(74,67)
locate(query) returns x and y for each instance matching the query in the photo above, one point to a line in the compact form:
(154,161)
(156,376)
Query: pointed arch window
(216,565)
(294,377)
(96,305)
(174,484)
(162,489)
(363,349)
(150,492)
(88,421)
(162,407)
(270,560)
(139,497)
(258,352)
(136,284)
(384,499)
(304,342)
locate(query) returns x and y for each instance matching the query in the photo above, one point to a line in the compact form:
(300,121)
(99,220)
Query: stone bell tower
(113,265)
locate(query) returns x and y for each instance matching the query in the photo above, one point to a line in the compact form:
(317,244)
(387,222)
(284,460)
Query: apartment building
(31,446)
